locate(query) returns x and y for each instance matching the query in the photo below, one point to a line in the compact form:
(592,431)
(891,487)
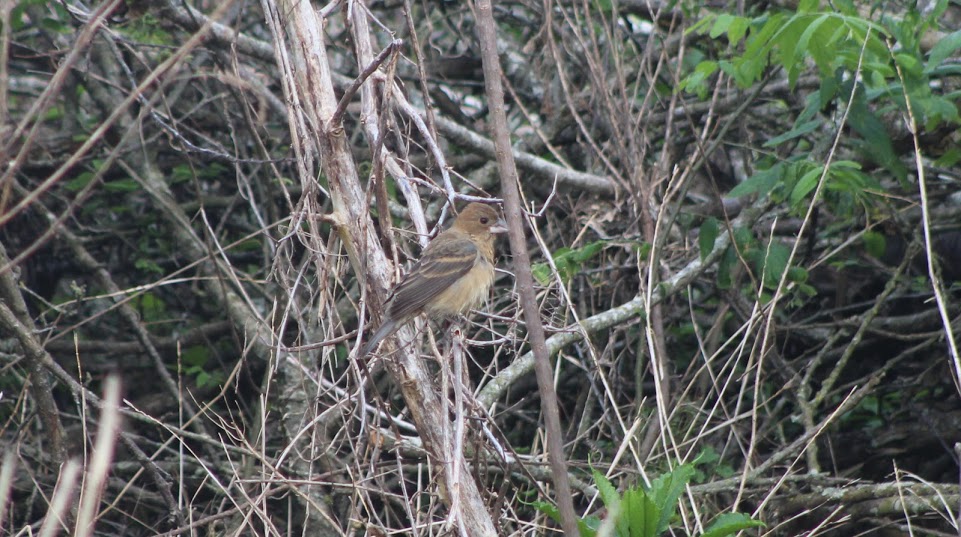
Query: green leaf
(879,147)
(639,515)
(699,26)
(608,493)
(805,185)
(731,523)
(568,261)
(941,51)
(666,490)
(799,130)
(810,30)
(759,43)
(950,157)
(586,526)
(542,273)
(195,356)
(696,81)
(775,262)
(909,63)
(587,252)
(721,25)
(936,110)
(148,265)
(54,25)
(725,268)
(738,30)
(151,308)
(78,183)
(849,164)
(707,236)
(875,243)
(797,274)
(643,250)
(827,91)
(807,290)
(761,182)
(123,185)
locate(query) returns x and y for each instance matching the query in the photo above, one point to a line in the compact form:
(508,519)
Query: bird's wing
(443,263)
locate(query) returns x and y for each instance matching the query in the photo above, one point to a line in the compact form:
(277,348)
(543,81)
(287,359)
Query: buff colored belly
(467,293)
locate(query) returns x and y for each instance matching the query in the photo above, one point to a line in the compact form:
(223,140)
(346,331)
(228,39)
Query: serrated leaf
(639,515)
(608,493)
(665,492)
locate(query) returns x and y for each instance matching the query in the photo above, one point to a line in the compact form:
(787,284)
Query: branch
(463,136)
(487,34)
(625,312)
(359,81)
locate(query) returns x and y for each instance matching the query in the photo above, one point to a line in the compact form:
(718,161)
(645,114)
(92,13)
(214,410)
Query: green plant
(569,261)
(195,364)
(648,511)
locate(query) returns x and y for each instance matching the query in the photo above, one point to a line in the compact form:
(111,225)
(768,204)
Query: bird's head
(478,219)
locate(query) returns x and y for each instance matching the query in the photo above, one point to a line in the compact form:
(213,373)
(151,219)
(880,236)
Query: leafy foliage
(568,262)
(648,511)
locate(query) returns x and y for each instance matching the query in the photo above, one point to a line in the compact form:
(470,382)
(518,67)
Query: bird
(454,273)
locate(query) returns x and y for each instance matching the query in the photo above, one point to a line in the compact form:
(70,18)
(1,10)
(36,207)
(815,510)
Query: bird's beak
(500,226)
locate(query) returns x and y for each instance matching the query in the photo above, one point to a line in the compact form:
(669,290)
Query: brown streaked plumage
(454,273)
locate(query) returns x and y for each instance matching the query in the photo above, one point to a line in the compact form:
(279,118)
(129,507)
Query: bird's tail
(386,329)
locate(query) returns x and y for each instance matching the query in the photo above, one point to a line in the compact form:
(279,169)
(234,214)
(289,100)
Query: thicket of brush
(731,215)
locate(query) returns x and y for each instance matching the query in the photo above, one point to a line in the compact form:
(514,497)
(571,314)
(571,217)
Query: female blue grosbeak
(454,273)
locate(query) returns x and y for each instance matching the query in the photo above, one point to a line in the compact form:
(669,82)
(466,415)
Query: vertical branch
(487,34)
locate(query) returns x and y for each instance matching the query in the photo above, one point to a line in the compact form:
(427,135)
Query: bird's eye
(484,220)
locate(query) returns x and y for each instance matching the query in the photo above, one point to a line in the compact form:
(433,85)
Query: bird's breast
(466,292)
